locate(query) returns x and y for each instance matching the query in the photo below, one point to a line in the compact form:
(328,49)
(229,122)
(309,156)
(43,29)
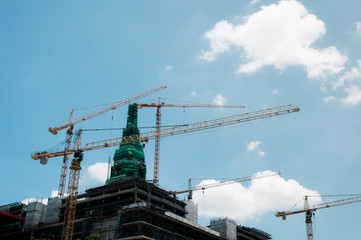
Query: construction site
(129,205)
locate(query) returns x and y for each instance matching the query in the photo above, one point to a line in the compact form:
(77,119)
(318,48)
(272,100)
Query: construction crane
(158,115)
(189,128)
(190,190)
(144,137)
(70,125)
(310,210)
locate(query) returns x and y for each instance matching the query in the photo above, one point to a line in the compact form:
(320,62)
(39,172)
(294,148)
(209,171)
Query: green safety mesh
(129,158)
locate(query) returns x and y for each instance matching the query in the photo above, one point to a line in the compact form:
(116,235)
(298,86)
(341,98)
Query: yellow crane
(78,150)
(173,131)
(72,122)
(190,190)
(308,210)
(158,115)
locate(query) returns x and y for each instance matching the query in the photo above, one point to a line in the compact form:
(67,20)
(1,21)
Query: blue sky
(61,56)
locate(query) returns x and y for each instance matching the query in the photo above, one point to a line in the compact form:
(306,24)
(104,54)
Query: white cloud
(55,193)
(98,172)
(261,153)
(358,28)
(280,35)
(169,67)
(219,100)
(275,91)
(350,81)
(349,76)
(31,200)
(253,145)
(329,99)
(263,195)
(254,2)
(206,93)
(353,96)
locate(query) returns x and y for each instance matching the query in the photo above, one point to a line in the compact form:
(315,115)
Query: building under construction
(126,207)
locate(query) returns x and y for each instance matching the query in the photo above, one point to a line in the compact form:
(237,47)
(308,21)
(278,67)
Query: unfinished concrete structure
(226,227)
(128,208)
(229,230)
(35,214)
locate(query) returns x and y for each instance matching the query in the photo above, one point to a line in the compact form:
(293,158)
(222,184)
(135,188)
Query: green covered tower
(129,158)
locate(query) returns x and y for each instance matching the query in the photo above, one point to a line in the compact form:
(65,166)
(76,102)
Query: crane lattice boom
(141,105)
(321,206)
(144,137)
(108,108)
(222,183)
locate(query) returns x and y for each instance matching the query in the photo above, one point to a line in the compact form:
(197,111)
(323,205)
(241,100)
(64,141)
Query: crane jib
(144,137)
(108,108)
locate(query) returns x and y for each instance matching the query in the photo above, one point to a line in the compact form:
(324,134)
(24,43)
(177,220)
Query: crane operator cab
(77,158)
(309,217)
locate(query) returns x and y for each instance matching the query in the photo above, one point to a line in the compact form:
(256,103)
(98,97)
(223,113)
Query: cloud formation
(98,172)
(358,28)
(262,196)
(280,35)
(194,94)
(253,146)
(329,99)
(350,83)
(219,100)
(169,67)
(252,2)
(353,96)
(349,76)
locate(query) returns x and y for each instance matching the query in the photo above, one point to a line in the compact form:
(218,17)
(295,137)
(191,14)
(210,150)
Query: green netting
(129,159)
(11,207)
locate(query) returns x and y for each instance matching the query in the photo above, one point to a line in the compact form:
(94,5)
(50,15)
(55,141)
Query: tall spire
(132,121)
(129,158)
